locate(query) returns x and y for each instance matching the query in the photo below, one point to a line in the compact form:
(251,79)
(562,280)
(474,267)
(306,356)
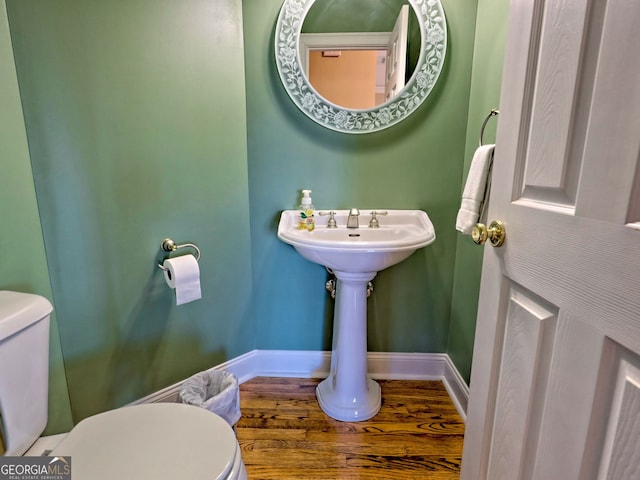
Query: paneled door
(555,383)
(397,55)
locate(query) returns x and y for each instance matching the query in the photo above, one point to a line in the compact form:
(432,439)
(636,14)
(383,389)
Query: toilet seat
(153,441)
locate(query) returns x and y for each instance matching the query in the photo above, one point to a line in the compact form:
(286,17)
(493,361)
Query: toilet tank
(24,369)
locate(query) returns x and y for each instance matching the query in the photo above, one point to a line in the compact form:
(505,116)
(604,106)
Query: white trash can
(216,390)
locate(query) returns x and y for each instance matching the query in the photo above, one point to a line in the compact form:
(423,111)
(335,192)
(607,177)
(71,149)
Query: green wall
(491,27)
(135,115)
(416,164)
(23,265)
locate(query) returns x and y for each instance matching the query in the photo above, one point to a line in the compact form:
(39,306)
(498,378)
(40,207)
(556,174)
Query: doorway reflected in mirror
(349,78)
(360,70)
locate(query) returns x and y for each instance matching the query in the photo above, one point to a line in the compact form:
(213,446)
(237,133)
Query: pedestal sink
(355,255)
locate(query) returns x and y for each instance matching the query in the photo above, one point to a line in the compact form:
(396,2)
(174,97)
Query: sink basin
(363,249)
(355,255)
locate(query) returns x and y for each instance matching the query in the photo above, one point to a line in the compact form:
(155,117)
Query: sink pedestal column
(348,394)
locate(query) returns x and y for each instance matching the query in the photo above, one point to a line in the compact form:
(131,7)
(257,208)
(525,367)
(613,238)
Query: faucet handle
(331,223)
(374,223)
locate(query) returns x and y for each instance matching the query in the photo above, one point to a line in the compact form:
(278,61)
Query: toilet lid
(152,441)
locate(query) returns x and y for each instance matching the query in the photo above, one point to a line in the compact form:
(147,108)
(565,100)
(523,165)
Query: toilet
(160,441)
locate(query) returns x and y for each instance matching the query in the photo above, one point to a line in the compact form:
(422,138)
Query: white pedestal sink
(355,256)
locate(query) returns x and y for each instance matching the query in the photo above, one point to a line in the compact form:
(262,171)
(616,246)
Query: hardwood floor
(284,435)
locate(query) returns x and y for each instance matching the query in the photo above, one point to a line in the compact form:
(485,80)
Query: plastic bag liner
(216,390)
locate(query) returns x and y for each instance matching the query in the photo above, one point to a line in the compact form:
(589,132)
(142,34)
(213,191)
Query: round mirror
(405,40)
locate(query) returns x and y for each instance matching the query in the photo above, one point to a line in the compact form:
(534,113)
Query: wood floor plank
(266,473)
(269,433)
(416,444)
(284,434)
(329,446)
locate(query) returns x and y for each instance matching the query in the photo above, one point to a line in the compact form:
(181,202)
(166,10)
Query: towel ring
(492,113)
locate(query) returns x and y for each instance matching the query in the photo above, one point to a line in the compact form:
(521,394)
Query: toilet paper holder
(169,245)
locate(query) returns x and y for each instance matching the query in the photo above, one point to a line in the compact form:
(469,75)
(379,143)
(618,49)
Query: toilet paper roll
(183,275)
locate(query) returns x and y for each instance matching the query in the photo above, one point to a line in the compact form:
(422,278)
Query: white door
(555,383)
(397,55)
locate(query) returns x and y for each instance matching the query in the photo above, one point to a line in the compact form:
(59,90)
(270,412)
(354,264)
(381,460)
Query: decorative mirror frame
(433,31)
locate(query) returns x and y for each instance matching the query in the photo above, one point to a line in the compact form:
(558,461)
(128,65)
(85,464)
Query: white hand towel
(475,189)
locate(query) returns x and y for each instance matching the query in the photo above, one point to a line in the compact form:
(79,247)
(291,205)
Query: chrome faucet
(352,221)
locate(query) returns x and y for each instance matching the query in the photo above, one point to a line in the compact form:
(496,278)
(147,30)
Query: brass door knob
(495,233)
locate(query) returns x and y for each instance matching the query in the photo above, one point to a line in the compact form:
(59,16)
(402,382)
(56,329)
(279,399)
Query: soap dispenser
(306,219)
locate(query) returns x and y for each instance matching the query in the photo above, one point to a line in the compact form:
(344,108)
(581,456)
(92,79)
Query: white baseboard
(316,364)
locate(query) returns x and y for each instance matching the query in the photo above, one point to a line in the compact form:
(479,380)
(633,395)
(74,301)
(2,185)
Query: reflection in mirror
(347,69)
(323,34)
(349,78)
(361,68)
